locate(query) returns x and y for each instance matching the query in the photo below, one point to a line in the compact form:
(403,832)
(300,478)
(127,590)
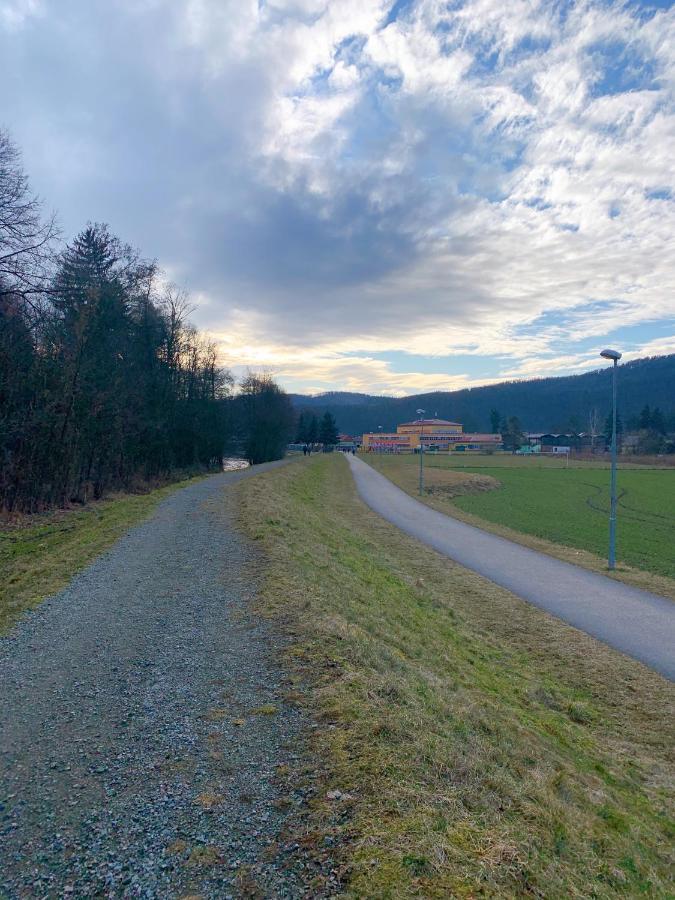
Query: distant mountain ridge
(542,404)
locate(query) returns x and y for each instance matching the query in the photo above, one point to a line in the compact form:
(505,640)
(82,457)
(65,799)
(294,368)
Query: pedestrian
(304,450)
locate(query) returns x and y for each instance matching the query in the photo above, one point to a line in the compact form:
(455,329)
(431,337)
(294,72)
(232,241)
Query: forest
(104,383)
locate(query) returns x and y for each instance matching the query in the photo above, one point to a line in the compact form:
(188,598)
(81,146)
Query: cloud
(339,179)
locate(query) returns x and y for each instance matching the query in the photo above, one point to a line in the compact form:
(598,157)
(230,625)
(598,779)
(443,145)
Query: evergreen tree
(658,421)
(313,430)
(109,384)
(495,421)
(301,429)
(328,431)
(608,428)
(512,435)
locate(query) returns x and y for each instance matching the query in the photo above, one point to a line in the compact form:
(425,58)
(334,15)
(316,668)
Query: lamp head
(611,354)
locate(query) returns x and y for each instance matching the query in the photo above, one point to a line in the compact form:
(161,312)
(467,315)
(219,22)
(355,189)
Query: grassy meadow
(560,505)
(39,554)
(479,746)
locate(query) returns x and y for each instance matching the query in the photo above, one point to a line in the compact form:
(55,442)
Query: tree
(512,434)
(265,418)
(658,421)
(573,425)
(313,430)
(594,424)
(645,419)
(608,428)
(328,431)
(108,385)
(495,421)
(26,240)
(301,429)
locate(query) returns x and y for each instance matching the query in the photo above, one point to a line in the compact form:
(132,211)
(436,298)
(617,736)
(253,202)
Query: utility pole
(421,412)
(615,356)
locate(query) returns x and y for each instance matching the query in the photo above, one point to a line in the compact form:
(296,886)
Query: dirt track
(137,756)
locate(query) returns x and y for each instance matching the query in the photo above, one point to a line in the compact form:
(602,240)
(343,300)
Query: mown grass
(484,748)
(559,506)
(40,554)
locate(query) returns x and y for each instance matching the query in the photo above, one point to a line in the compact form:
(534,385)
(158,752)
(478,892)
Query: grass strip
(475,745)
(41,553)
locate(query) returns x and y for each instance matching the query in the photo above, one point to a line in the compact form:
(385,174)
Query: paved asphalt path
(636,622)
(135,758)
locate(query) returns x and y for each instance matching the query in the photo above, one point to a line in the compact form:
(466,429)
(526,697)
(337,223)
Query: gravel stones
(142,723)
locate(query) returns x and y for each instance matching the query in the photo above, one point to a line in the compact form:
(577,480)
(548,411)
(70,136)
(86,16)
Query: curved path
(636,622)
(143,727)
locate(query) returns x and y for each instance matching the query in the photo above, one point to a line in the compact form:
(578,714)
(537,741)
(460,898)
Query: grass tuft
(269,709)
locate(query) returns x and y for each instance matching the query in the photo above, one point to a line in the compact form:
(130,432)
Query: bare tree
(26,238)
(594,426)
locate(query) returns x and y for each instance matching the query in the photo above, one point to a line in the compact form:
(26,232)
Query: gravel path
(636,622)
(137,757)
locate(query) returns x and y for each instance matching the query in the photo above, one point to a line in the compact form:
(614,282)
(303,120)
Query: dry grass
(40,554)
(479,746)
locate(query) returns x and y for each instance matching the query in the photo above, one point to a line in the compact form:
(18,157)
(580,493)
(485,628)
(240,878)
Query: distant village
(440,435)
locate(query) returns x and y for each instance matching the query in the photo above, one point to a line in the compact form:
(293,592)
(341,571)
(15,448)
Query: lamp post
(615,356)
(420,412)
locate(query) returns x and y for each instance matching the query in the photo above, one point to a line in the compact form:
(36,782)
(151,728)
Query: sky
(387,196)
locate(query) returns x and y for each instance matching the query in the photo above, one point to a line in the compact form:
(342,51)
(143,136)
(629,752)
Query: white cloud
(14,13)
(484,179)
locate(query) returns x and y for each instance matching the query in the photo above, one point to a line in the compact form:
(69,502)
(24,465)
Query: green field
(563,505)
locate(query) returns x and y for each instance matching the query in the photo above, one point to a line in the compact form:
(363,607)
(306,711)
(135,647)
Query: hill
(542,404)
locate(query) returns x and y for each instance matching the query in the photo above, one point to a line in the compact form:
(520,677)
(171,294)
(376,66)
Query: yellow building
(435,434)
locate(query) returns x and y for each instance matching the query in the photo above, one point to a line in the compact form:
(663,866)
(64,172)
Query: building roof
(429,422)
(468,437)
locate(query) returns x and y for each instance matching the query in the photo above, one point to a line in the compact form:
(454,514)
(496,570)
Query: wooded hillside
(545,404)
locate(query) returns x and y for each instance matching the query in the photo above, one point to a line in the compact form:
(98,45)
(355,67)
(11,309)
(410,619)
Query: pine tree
(313,430)
(658,421)
(512,433)
(328,431)
(301,429)
(608,428)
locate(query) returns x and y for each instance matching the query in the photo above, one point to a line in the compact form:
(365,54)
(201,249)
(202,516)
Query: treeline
(103,381)
(312,430)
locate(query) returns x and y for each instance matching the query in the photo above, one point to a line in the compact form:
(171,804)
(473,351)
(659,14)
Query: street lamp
(420,412)
(615,356)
